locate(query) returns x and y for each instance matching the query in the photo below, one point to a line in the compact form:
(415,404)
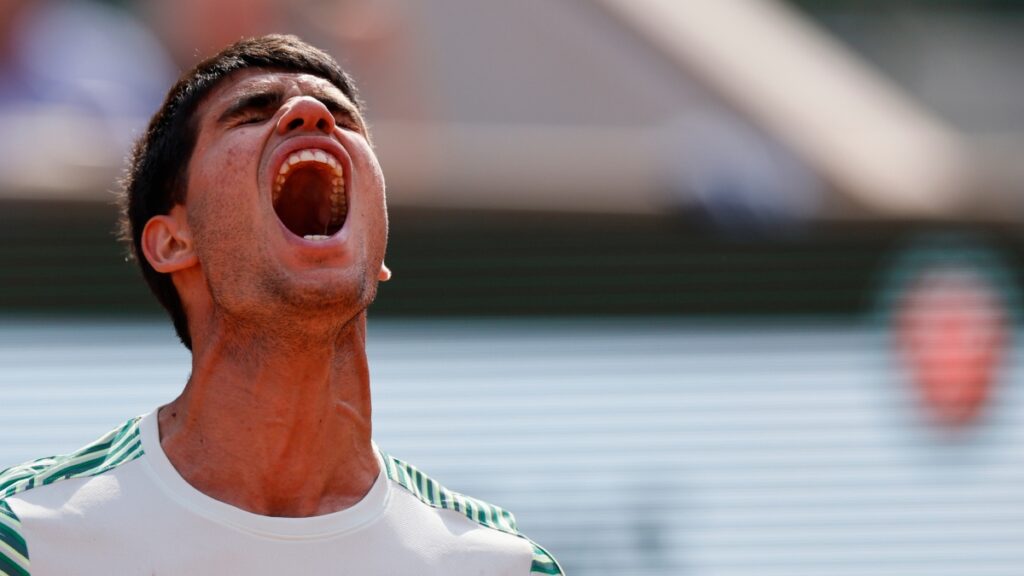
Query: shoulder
(13,549)
(120,445)
(114,448)
(433,494)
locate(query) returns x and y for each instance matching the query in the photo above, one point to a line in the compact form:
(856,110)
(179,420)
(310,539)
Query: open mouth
(309,194)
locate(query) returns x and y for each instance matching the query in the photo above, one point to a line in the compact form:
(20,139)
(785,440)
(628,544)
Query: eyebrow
(273,98)
(252,101)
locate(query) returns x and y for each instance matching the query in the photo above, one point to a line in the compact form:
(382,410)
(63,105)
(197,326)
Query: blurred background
(708,287)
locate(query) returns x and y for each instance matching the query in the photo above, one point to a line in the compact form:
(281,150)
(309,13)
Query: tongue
(303,206)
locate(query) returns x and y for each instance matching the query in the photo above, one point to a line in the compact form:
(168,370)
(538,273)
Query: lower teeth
(315,237)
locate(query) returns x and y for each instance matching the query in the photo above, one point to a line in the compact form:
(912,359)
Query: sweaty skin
(275,418)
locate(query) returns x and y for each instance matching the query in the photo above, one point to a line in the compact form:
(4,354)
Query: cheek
(238,159)
(373,182)
(374,170)
(231,162)
(225,186)
(364,159)
(223,228)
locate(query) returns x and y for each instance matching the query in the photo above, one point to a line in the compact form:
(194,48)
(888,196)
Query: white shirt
(125,510)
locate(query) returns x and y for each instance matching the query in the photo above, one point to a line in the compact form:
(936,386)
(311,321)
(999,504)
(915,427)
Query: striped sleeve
(13,549)
(120,445)
(430,492)
(117,447)
(543,562)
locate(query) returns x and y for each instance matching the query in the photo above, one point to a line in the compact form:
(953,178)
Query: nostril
(305,114)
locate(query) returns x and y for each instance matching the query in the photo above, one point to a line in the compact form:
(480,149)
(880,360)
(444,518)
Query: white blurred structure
(78,82)
(628,447)
(606,106)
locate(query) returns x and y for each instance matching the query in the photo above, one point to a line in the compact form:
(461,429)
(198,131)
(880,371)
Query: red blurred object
(952,332)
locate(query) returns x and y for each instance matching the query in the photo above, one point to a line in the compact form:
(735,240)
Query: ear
(385,273)
(167,242)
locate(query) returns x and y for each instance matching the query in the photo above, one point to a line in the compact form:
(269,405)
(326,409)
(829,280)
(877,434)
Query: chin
(338,300)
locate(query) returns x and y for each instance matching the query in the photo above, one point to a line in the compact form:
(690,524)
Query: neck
(273,425)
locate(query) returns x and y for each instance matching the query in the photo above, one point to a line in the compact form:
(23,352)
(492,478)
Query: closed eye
(252,109)
(344,116)
(347,122)
(252,117)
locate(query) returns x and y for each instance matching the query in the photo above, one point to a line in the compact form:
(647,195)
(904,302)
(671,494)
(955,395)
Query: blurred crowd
(80,78)
(753,115)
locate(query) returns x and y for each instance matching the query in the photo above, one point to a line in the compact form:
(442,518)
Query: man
(254,205)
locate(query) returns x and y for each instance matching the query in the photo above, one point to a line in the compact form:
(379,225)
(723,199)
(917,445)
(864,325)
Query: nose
(306,113)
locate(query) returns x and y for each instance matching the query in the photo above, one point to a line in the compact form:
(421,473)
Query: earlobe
(167,242)
(385,273)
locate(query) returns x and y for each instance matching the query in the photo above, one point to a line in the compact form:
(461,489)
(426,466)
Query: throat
(274,455)
(258,413)
(310,201)
(303,205)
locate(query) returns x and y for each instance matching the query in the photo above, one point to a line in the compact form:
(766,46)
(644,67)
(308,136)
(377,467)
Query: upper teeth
(338,201)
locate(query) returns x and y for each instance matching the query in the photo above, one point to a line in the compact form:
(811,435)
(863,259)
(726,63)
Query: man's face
(285,199)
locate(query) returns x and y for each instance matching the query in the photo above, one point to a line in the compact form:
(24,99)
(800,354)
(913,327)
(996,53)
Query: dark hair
(157,171)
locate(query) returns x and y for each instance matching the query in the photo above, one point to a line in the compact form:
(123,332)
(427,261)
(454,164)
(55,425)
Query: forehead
(256,80)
